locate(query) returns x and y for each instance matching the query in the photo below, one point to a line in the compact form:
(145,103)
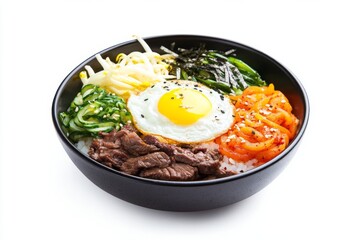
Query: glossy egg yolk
(184,106)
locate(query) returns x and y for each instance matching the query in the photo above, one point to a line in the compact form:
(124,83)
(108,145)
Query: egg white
(148,120)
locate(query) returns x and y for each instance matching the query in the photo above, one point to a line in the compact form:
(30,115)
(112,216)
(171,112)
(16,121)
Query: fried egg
(182,111)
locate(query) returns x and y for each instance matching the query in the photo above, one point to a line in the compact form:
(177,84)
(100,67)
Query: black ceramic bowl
(186,196)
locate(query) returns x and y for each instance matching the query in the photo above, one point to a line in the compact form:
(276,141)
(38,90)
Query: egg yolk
(184,106)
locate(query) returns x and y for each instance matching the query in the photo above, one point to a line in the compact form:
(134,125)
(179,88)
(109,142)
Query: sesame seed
(232,136)
(146,99)
(142,116)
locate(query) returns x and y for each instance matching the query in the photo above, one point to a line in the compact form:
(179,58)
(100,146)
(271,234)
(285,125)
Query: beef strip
(126,151)
(134,165)
(210,148)
(224,173)
(110,140)
(131,128)
(169,149)
(127,140)
(208,162)
(174,172)
(113,148)
(134,145)
(111,157)
(204,162)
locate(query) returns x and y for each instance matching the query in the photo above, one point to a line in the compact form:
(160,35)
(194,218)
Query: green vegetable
(250,75)
(93,110)
(215,69)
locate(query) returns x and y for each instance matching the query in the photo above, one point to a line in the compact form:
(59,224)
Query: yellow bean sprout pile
(131,73)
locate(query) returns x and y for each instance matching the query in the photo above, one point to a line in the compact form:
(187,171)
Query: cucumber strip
(102,127)
(73,127)
(93,110)
(87,90)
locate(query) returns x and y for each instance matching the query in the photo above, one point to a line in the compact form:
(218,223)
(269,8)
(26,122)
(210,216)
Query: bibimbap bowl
(202,194)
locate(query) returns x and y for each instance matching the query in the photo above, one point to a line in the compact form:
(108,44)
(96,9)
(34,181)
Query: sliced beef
(169,149)
(113,148)
(127,140)
(206,159)
(111,157)
(149,157)
(131,128)
(224,173)
(174,172)
(134,145)
(204,162)
(110,140)
(209,148)
(134,165)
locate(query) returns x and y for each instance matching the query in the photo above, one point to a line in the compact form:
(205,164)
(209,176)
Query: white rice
(232,165)
(84,145)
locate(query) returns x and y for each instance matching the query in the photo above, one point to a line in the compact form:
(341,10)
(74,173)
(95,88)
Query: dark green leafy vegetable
(93,110)
(215,69)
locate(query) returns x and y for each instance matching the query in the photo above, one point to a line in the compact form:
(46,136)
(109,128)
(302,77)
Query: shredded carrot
(264,125)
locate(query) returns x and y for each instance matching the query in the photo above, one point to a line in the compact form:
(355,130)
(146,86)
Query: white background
(44,196)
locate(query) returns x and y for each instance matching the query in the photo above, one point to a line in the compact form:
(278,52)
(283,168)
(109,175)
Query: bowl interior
(270,70)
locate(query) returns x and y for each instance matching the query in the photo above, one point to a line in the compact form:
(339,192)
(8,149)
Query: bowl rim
(255,170)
